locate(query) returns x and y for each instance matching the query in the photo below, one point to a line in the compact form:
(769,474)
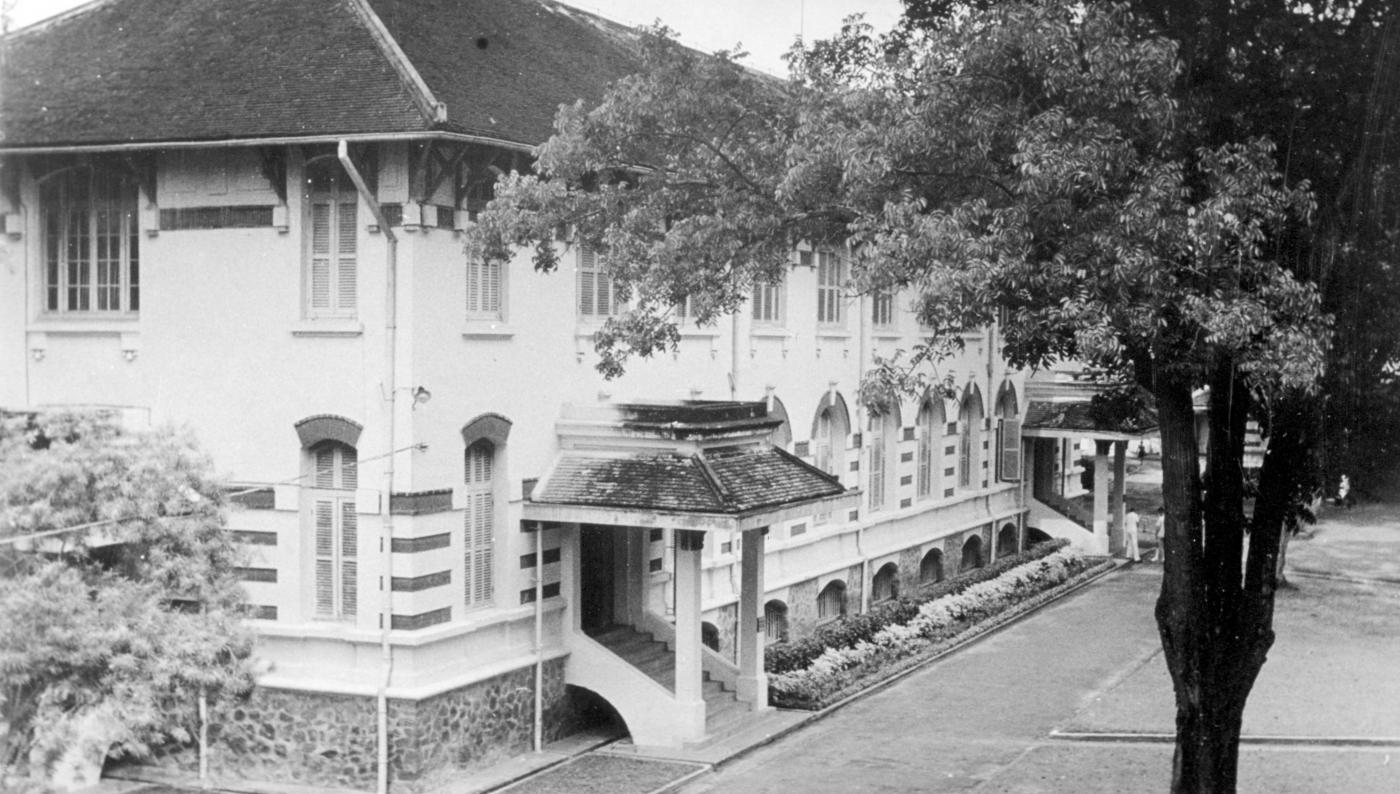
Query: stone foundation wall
(802,609)
(474,726)
(318,739)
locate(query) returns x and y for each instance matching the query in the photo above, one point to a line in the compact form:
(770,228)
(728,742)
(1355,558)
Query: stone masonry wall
(318,739)
(802,608)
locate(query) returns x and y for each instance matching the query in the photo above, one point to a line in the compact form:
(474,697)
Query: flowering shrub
(783,657)
(837,668)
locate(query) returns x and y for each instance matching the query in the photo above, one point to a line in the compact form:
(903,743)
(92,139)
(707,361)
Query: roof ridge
(423,97)
(712,477)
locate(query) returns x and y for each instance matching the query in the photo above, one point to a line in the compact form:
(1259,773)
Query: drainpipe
(539,639)
(862,316)
(734,357)
(386,653)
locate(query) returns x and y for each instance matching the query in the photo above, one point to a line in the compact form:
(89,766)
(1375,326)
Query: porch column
(1120,474)
(1101,495)
(636,572)
(689,684)
(570,581)
(753,682)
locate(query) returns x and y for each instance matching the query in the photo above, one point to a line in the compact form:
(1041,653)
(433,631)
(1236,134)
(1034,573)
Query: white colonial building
(245,217)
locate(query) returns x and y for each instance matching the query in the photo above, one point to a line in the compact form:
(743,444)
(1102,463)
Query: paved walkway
(987,717)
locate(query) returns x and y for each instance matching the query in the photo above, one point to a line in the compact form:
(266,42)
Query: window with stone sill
(91,244)
(331,240)
(882,310)
(336,530)
(597,294)
(485,281)
(831,284)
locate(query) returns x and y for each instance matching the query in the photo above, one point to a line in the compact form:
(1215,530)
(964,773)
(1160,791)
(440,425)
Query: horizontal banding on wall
(425,543)
(420,621)
(412,584)
(421,502)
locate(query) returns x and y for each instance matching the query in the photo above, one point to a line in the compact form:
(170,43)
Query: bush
(850,630)
(836,670)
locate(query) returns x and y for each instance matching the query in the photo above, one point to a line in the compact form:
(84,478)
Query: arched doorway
(1006,541)
(971,553)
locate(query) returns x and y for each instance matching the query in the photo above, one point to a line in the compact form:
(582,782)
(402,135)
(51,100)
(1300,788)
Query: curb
(1312,573)
(1265,741)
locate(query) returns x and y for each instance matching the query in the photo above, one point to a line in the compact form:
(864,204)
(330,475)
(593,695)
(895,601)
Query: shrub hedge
(848,630)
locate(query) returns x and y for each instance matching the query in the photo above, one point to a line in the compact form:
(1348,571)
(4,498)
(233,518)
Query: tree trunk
(1216,630)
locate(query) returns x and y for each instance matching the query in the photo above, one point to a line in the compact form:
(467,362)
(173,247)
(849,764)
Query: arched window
(877,464)
(479,537)
(830,427)
(332,240)
(1006,541)
(90,241)
(831,602)
(1008,451)
(883,442)
(970,441)
(335,530)
(931,567)
(782,434)
(885,585)
(709,636)
(971,553)
(775,621)
(930,455)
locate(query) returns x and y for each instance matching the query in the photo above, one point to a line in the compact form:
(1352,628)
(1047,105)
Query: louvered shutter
(325,467)
(325,557)
(321,255)
(349,541)
(605,296)
(965,454)
(877,469)
(474,302)
(587,286)
(349,469)
(479,531)
(1010,450)
(346,245)
(491,288)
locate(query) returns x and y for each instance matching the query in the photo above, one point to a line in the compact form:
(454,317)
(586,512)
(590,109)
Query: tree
(1025,159)
(1321,80)
(109,635)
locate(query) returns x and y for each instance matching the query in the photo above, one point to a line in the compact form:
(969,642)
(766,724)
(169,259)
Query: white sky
(765,28)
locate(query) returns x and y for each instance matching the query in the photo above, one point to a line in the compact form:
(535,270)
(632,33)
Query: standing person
(1160,531)
(1130,535)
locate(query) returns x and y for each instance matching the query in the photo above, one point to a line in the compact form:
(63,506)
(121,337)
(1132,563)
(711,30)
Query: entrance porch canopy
(733,488)
(1078,418)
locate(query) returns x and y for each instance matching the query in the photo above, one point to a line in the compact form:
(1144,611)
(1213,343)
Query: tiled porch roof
(1083,415)
(729,480)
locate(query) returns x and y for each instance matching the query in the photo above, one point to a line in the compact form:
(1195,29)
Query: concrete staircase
(654,658)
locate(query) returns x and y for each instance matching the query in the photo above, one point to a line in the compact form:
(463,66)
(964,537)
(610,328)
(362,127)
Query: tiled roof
(729,481)
(503,67)
(152,70)
(165,70)
(1084,415)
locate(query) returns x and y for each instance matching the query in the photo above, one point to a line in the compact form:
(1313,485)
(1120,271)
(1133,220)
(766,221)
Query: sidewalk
(1089,667)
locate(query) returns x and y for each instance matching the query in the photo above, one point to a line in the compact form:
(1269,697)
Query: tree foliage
(1024,159)
(109,636)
